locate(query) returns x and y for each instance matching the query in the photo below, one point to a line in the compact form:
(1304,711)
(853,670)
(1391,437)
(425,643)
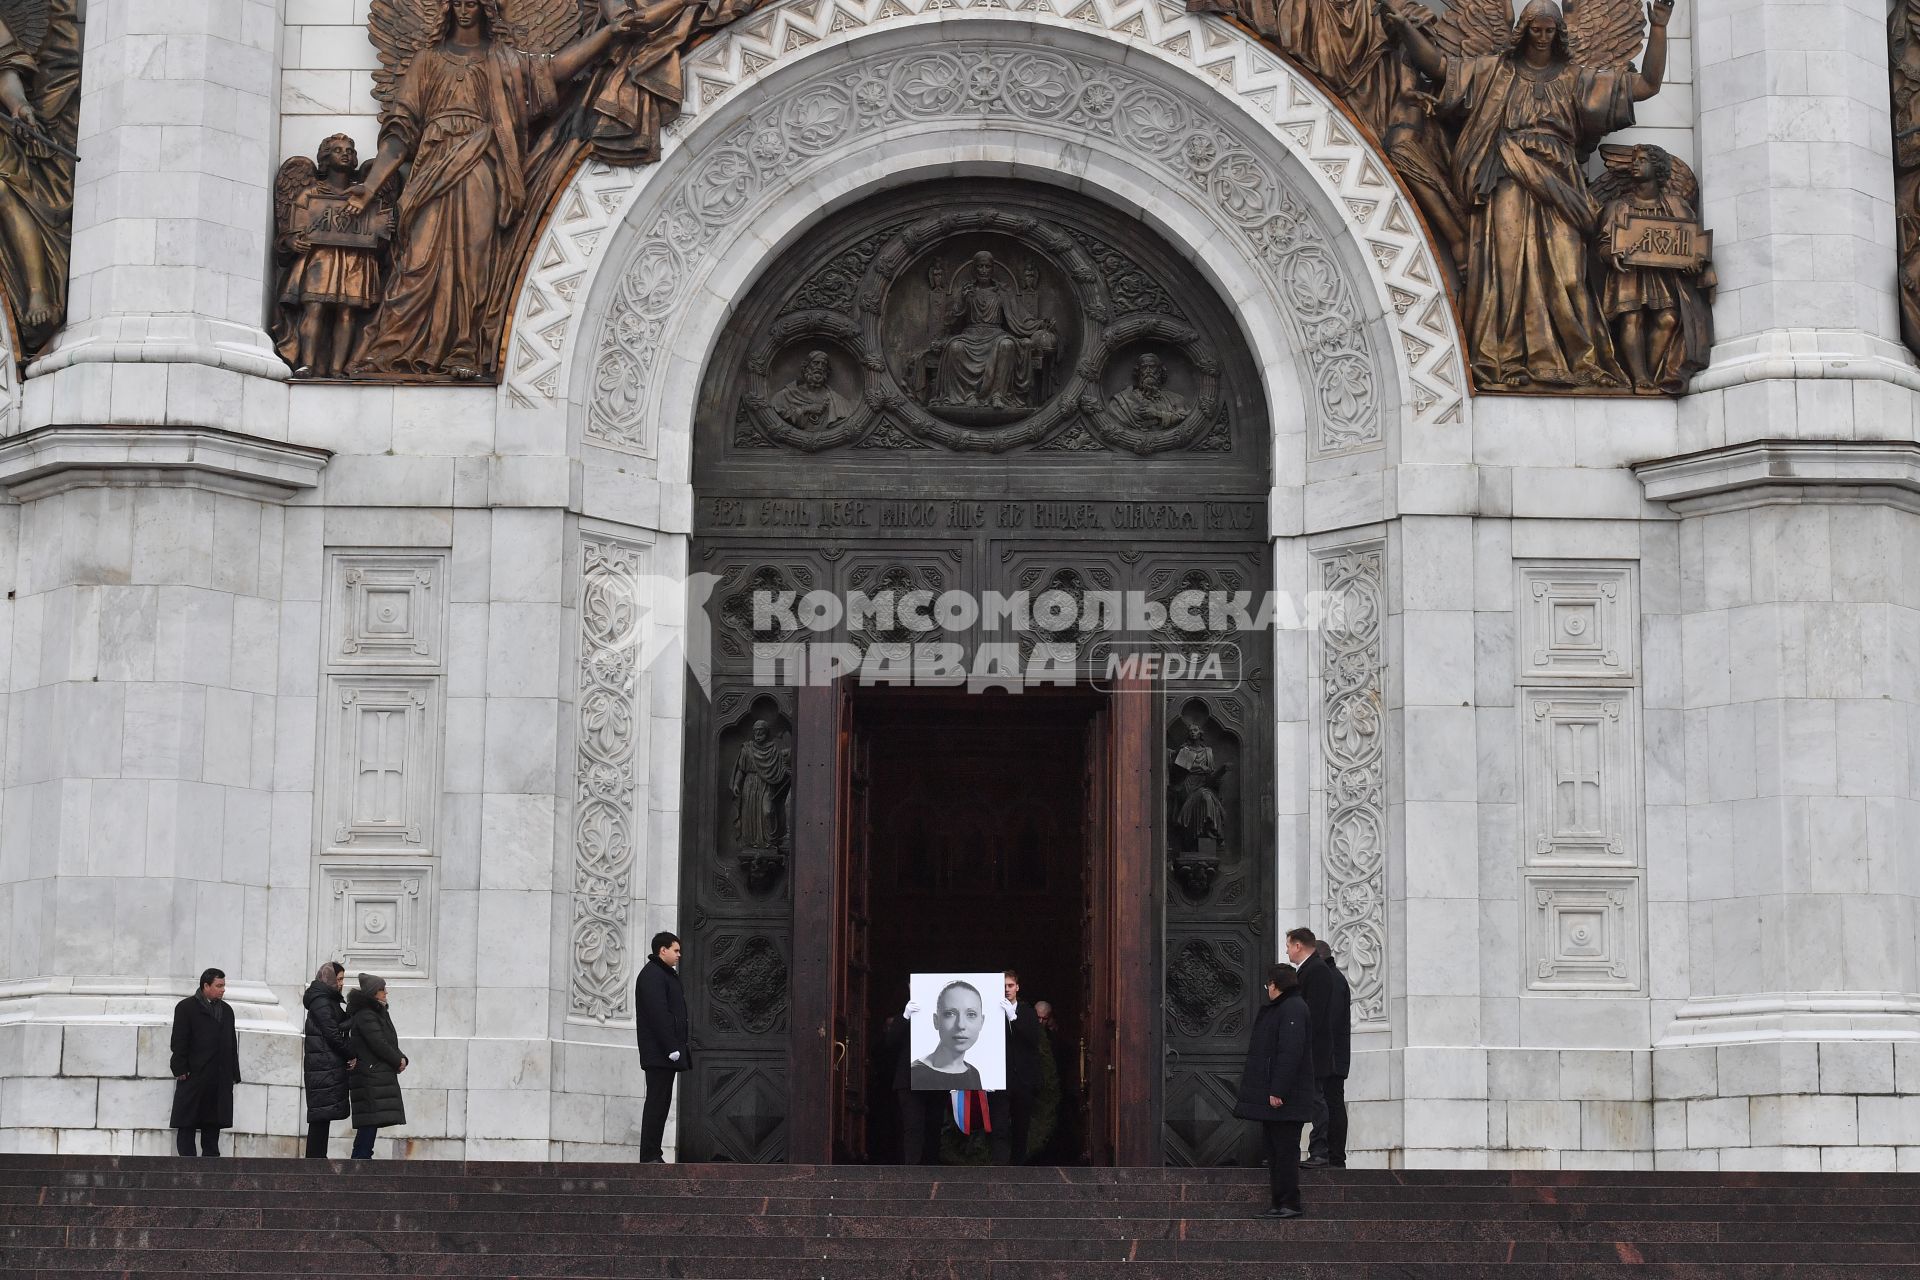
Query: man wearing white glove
(665,1042)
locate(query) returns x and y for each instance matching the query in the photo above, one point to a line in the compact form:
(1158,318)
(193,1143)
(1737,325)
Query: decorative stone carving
(740,170)
(382,788)
(388,609)
(40,96)
(1583,934)
(606,818)
(377,916)
(1353,769)
(1581,804)
(1577,621)
(747,983)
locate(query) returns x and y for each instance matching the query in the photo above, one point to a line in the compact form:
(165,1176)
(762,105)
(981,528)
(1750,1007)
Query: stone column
(172,215)
(1797,182)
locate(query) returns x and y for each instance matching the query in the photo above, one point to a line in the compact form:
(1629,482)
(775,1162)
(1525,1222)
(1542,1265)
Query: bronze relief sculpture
(487,107)
(1489,122)
(1903,64)
(40,95)
(986,331)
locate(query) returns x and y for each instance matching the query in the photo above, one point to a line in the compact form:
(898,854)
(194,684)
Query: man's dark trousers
(1328,1141)
(653,1116)
(209,1142)
(1011,1112)
(1283,1161)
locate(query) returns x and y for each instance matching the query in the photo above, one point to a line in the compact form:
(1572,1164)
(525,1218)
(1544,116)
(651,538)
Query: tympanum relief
(981,330)
(1566,287)
(402,268)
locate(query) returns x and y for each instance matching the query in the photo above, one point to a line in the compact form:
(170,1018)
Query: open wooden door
(827,1117)
(1120,1051)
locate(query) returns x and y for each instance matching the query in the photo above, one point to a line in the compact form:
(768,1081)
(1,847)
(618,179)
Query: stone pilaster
(172,215)
(1797,182)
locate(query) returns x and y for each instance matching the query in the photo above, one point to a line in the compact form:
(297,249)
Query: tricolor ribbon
(964,1103)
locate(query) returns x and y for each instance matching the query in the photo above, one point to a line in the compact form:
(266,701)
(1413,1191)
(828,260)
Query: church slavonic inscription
(859,515)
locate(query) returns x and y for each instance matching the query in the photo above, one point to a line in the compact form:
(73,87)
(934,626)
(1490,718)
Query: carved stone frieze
(708,197)
(606,817)
(1353,755)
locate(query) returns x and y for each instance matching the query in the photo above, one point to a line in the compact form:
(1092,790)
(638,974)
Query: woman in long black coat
(1276,1085)
(327,1056)
(374,1083)
(205,1063)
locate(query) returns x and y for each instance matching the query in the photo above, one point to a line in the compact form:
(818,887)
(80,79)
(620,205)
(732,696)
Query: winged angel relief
(487,106)
(1489,121)
(39,116)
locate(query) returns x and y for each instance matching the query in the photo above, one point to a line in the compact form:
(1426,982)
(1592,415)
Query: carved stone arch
(1220,144)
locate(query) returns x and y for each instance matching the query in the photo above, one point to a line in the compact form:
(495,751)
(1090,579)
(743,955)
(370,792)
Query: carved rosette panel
(766,155)
(747,984)
(1353,760)
(605,786)
(1206,987)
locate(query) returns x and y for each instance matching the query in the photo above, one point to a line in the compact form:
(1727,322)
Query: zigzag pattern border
(1408,282)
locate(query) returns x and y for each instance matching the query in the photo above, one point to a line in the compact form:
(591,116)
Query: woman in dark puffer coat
(375,1083)
(328,1059)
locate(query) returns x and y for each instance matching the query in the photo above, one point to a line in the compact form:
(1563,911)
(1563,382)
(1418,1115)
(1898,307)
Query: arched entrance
(952,395)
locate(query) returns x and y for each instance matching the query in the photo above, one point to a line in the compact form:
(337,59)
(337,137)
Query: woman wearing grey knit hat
(375,1083)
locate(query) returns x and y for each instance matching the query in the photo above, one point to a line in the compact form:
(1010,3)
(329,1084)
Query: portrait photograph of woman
(959,1032)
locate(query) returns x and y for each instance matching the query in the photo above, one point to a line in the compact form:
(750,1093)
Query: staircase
(137,1216)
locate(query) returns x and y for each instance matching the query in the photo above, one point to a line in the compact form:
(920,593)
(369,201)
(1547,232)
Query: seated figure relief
(988,356)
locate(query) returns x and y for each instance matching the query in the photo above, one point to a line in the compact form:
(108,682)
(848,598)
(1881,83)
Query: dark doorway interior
(979,861)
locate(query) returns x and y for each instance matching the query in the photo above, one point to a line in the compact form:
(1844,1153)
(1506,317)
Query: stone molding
(781,137)
(1795,1015)
(133,1002)
(52,460)
(164,339)
(1806,353)
(1775,471)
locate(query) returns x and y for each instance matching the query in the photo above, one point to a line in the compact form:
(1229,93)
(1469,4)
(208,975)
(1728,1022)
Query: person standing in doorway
(1009,1140)
(205,1063)
(1276,1084)
(1340,1026)
(374,1084)
(919,1111)
(327,1056)
(664,1035)
(1316,987)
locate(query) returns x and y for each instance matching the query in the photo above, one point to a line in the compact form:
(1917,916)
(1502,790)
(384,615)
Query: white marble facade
(294,672)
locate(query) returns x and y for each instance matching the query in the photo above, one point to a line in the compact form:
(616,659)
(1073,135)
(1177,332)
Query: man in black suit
(1013,1116)
(665,1043)
(1332,1145)
(1316,988)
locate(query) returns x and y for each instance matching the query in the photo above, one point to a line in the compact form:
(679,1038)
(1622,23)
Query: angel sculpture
(40,96)
(1662,314)
(332,259)
(1531,99)
(461,85)
(1345,44)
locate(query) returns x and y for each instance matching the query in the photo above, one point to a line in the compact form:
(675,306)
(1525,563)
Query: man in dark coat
(1276,1085)
(1316,987)
(665,1037)
(1012,1112)
(920,1111)
(373,1086)
(327,1059)
(1331,1146)
(205,1064)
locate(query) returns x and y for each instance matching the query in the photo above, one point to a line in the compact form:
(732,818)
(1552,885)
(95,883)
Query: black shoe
(1315,1162)
(1281,1213)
